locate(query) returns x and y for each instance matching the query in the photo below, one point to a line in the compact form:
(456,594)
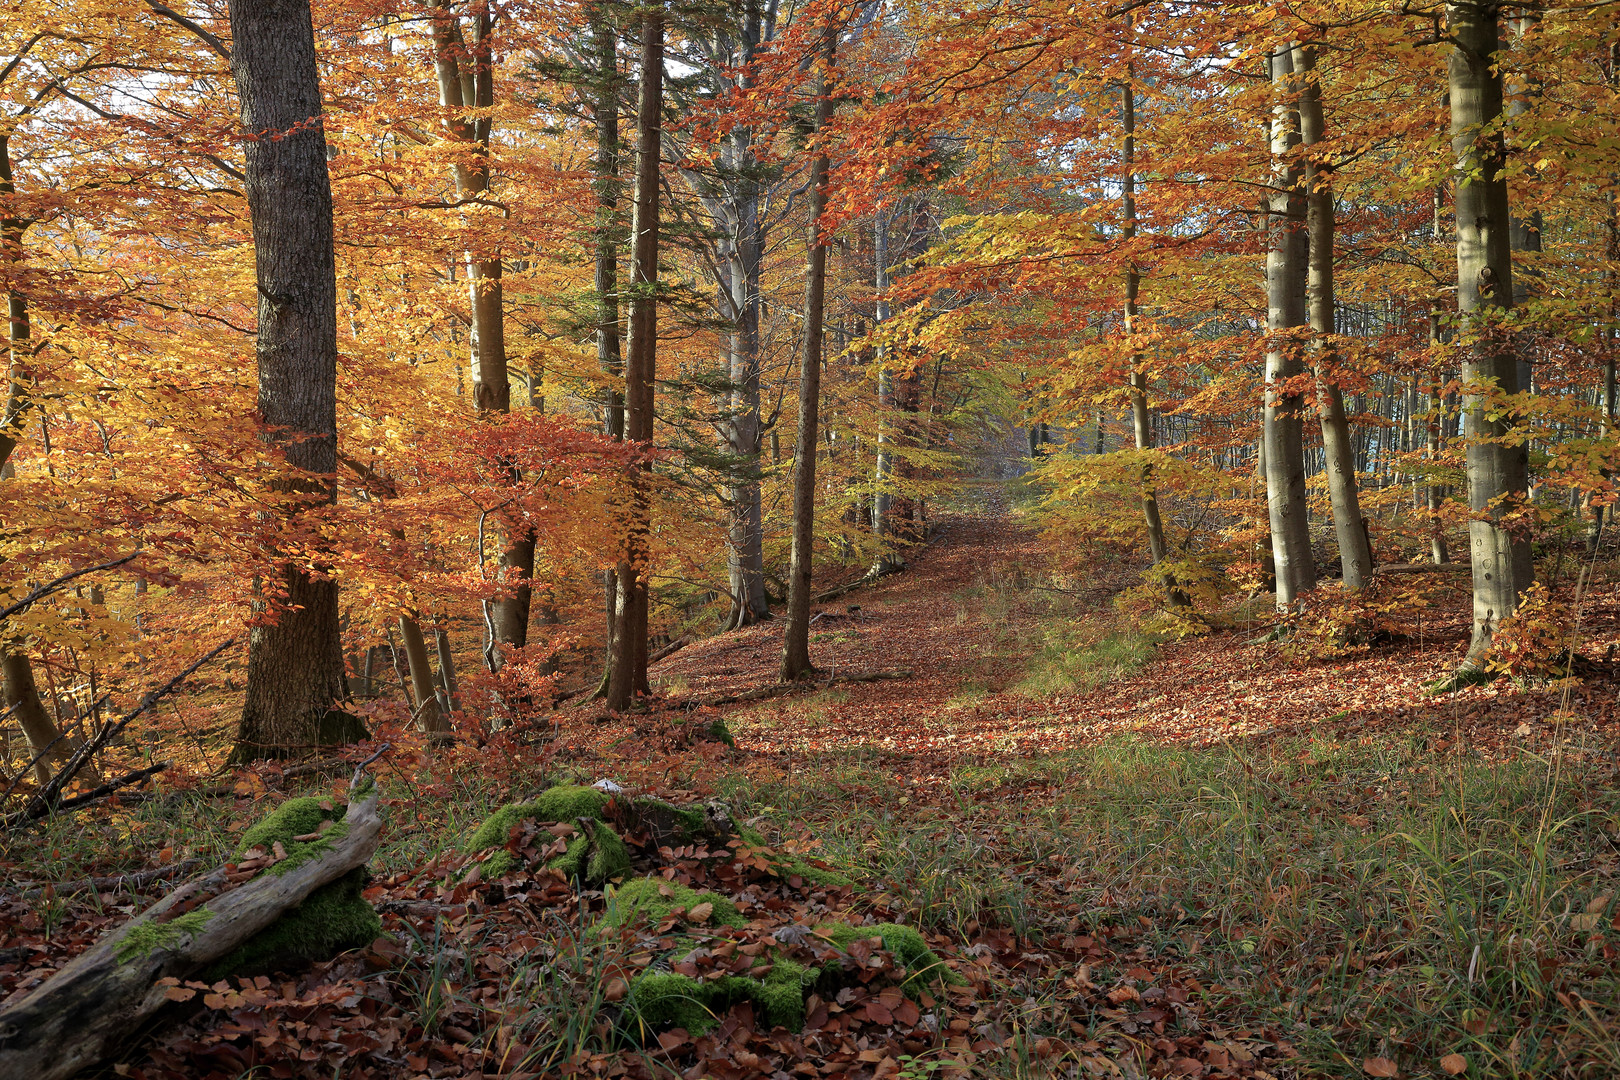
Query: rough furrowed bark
(82,1014)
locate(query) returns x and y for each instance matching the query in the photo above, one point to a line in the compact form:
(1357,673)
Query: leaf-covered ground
(1195,858)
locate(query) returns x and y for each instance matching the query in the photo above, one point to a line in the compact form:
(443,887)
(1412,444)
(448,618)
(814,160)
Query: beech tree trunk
(1499,550)
(295,663)
(796,639)
(606,183)
(887,561)
(1338,454)
(1284,404)
(746,548)
(628,673)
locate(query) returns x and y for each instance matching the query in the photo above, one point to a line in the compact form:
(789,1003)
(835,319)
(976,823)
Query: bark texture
(1285,293)
(1338,453)
(796,639)
(628,673)
(1499,552)
(295,663)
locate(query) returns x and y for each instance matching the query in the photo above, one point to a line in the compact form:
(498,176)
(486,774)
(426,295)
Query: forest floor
(1204,857)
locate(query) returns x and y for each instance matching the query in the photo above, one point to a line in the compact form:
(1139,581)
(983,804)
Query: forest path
(980,625)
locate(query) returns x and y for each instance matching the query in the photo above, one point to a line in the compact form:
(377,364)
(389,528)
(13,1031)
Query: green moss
(595,857)
(904,942)
(141,939)
(662,1000)
(567,802)
(296,817)
(788,866)
(643,899)
(718,731)
(333,919)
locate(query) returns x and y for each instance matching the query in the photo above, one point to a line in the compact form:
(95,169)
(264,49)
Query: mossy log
(80,1015)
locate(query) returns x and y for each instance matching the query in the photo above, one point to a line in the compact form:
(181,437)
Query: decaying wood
(81,1014)
(1423,568)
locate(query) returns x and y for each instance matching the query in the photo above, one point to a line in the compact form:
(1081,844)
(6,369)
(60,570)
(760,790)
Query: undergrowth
(1374,899)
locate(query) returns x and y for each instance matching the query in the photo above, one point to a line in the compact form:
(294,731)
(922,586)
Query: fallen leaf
(700,912)
(1380,1066)
(1454,1064)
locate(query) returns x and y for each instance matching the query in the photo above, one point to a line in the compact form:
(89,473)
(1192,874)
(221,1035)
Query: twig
(360,769)
(668,650)
(39,757)
(136,777)
(41,803)
(49,587)
(116,881)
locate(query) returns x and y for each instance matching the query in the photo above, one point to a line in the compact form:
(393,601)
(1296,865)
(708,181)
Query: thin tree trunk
(295,663)
(425,705)
(606,184)
(447,669)
(628,673)
(1284,404)
(796,640)
(466,81)
(883,476)
(1338,455)
(1141,419)
(1499,552)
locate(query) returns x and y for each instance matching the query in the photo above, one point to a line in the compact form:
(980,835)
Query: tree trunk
(425,706)
(746,554)
(887,560)
(628,674)
(1284,404)
(796,639)
(22,695)
(1499,547)
(447,669)
(1338,455)
(1141,419)
(295,663)
(466,81)
(606,183)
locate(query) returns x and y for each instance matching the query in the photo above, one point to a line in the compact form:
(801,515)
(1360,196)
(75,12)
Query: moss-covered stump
(333,919)
(595,853)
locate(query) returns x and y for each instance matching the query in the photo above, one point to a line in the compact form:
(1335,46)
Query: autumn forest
(826,538)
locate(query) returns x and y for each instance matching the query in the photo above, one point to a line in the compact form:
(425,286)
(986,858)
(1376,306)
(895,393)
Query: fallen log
(1423,568)
(81,1014)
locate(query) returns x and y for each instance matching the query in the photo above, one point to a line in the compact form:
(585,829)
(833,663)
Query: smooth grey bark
(745,258)
(1286,259)
(1499,550)
(628,669)
(1338,453)
(295,671)
(606,185)
(796,639)
(883,474)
